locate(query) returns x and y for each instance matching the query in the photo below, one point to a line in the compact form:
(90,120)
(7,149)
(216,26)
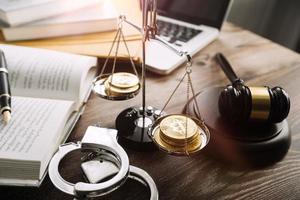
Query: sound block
(248,145)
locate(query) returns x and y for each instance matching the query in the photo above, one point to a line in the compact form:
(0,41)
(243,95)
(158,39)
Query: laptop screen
(207,12)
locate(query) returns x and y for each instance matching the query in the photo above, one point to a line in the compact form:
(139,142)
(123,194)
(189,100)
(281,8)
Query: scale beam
(134,124)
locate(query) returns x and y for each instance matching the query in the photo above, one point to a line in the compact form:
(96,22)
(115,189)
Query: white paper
(47,74)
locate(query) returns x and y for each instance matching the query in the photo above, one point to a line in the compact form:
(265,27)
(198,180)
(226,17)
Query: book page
(47,74)
(35,128)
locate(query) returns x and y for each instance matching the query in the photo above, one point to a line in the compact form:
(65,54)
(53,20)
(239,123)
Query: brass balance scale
(141,127)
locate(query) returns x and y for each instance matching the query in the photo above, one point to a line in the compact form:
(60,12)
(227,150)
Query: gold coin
(178,127)
(181,142)
(111,90)
(123,80)
(181,150)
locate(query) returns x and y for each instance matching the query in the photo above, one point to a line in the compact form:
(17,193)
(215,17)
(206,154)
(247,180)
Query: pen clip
(3,63)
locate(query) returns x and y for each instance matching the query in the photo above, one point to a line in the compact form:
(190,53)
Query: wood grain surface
(259,62)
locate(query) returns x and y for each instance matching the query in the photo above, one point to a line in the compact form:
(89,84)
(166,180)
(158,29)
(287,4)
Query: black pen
(5,95)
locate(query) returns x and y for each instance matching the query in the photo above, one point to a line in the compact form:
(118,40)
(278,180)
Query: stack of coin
(178,133)
(121,83)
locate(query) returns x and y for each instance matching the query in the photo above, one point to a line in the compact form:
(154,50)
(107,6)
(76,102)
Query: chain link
(128,52)
(188,71)
(110,50)
(189,89)
(117,39)
(115,57)
(174,91)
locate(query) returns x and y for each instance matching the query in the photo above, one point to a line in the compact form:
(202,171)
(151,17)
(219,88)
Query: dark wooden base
(130,134)
(253,145)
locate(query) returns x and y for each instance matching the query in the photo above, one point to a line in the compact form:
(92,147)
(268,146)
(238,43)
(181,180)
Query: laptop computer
(189,25)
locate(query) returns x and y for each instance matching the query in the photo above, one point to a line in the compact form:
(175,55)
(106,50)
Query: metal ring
(2,69)
(143,177)
(5,108)
(135,173)
(5,95)
(95,142)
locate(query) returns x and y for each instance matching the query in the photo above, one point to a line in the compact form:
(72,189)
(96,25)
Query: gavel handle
(227,68)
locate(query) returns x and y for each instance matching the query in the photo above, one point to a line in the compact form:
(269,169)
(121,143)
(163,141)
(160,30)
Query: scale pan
(197,142)
(100,89)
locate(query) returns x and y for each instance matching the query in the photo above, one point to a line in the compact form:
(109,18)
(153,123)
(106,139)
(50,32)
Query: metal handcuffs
(102,144)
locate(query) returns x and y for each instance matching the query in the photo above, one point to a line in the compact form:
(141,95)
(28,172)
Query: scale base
(248,145)
(133,133)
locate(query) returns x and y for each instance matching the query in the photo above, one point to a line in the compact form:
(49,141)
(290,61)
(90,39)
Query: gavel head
(239,103)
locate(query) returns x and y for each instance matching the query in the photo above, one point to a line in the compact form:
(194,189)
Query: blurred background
(277,20)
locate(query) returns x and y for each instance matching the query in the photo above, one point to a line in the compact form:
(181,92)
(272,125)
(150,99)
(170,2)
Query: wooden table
(256,60)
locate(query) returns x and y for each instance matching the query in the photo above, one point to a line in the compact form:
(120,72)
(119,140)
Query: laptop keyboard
(176,34)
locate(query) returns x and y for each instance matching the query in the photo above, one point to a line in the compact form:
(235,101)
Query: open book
(49,90)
